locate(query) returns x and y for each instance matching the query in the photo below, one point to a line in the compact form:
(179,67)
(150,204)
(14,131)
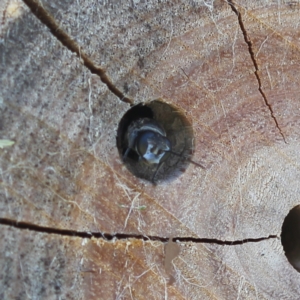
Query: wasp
(148,139)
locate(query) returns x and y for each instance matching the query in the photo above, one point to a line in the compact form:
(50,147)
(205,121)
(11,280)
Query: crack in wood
(47,19)
(251,52)
(123,236)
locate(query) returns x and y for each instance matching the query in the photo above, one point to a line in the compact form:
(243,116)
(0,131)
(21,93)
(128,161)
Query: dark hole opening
(290,237)
(178,131)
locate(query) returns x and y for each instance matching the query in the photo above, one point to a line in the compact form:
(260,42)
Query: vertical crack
(47,19)
(250,49)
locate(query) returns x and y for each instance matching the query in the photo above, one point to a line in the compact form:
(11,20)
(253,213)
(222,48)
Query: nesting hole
(178,130)
(290,237)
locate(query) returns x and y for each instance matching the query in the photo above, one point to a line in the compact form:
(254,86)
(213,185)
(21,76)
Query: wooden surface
(233,69)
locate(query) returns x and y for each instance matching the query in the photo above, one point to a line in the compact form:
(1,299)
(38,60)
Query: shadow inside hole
(290,237)
(178,130)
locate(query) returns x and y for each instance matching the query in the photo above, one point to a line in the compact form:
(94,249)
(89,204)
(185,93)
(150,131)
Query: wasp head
(152,146)
(148,139)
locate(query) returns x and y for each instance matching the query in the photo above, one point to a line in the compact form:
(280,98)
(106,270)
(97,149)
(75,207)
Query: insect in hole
(150,143)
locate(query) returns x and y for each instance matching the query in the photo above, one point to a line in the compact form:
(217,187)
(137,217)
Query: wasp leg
(126,154)
(187,159)
(156,171)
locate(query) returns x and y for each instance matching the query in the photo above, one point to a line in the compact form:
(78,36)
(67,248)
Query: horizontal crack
(122,236)
(38,10)
(249,44)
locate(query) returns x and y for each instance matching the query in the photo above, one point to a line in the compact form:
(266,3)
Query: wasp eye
(143,142)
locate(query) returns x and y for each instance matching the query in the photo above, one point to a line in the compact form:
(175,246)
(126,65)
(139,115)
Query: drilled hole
(168,122)
(290,237)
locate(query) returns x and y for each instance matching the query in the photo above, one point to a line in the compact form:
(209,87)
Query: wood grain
(231,68)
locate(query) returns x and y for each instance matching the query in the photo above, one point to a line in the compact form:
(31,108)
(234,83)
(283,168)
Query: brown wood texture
(232,68)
